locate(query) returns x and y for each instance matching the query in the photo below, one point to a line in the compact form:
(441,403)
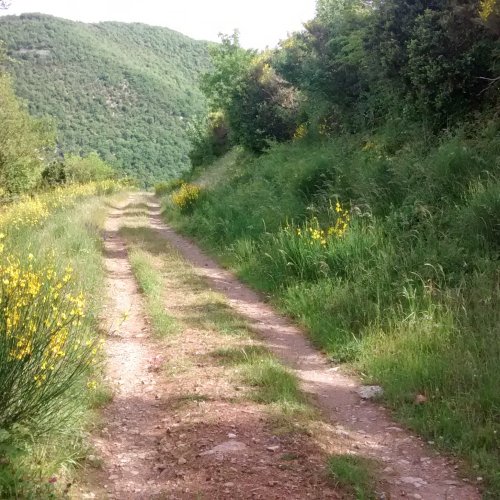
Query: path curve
(411,468)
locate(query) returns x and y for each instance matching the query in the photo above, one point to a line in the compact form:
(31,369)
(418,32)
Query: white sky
(261,22)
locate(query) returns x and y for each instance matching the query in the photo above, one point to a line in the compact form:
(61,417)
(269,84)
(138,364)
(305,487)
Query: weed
(354,473)
(150,284)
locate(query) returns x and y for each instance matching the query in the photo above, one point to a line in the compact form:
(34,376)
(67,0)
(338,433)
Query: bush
(166,187)
(43,350)
(186,197)
(90,168)
(209,139)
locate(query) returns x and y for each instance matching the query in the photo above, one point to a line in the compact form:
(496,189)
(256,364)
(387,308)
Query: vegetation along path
(189,417)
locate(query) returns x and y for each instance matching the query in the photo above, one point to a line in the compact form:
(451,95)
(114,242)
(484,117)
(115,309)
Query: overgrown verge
(385,247)
(50,265)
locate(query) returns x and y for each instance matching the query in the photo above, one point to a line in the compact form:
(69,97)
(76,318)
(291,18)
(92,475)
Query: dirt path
(181,426)
(127,440)
(411,468)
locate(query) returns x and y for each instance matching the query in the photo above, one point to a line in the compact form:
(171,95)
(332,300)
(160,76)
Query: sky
(261,23)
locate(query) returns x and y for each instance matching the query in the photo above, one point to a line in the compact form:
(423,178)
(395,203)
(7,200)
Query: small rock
(93,461)
(182,461)
(226,447)
(420,399)
(231,435)
(229,485)
(273,448)
(414,481)
(370,391)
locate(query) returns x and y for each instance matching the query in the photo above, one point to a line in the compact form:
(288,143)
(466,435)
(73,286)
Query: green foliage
(447,55)
(209,139)
(406,292)
(166,187)
(263,109)
(230,63)
(259,106)
(85,169)
(53,174)
(125,91)
(354,473)
(360,62)
(23,144)
(49,441)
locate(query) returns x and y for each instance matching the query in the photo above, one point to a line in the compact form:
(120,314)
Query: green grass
(273,384)
(28,458)
(408,296)
(150,283)
(355,474)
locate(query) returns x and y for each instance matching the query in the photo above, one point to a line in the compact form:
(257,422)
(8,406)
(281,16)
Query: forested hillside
(126,91)
(353,175)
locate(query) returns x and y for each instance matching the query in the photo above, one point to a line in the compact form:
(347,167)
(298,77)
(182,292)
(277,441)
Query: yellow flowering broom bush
(186,196)
(34,210)
(43,348)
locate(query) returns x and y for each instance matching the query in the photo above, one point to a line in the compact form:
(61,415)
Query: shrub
(87,169)
(43,351)
(166,187)
(33,211)
(186,197)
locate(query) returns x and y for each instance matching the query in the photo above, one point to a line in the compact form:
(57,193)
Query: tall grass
(408,293)
(51,272)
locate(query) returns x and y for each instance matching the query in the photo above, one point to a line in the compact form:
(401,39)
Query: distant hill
(126,91)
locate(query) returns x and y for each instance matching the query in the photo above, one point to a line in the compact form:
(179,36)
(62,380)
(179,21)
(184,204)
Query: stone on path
(370,391)
(226,447)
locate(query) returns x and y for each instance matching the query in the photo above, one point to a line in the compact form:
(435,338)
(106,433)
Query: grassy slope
(409,295)
(28,460)
(124,90)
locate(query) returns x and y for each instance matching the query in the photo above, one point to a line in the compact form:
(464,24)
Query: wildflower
(186,196)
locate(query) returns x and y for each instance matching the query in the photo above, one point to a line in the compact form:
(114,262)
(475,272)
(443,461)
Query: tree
(87,169)
(264,107)
(258,104)
(230,63)
(24,143)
